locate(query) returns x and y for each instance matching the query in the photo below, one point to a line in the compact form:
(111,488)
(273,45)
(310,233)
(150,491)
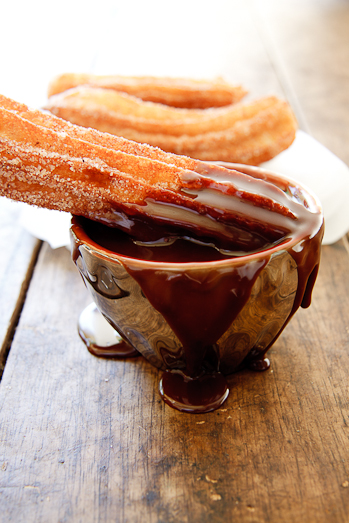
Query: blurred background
(176,38)
(298,49)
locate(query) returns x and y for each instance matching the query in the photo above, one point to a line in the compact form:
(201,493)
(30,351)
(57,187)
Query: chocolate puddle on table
(200,306)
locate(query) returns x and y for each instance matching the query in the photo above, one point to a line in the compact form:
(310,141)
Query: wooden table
(89,440)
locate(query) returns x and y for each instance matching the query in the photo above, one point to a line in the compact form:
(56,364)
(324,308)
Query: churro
(249,133)
(176,92)
(51,163)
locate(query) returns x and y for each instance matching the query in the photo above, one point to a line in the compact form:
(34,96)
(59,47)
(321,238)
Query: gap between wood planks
(12,326)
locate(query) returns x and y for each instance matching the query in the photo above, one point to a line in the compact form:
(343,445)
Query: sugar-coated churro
(177,92)
(249,133)
(51,163)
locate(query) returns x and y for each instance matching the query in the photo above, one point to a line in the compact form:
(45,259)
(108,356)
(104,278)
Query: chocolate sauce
(196,395)
(198,269)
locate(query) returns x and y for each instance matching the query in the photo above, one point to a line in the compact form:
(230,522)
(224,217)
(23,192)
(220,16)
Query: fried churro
(51,163)
(198,237)
(176,92)
(249,133)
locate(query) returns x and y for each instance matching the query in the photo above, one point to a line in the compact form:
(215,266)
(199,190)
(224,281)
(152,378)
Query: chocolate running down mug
(212,312)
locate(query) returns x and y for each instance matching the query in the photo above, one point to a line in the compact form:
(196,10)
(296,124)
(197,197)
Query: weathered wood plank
(86,439)
(18,255)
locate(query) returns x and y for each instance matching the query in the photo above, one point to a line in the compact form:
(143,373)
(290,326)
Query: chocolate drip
(100,338)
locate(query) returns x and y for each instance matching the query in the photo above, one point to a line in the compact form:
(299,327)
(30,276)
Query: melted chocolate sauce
(202,394)
(251,216)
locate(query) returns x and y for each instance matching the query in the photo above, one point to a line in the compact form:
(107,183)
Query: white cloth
(314,166)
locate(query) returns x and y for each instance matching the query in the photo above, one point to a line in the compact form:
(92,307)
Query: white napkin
(306,161)
(314,166)
(50,226)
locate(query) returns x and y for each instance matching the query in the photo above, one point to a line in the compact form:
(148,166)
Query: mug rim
(82,237)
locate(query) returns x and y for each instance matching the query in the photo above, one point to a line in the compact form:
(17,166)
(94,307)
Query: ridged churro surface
(249,133)
(176,92)
(52,163)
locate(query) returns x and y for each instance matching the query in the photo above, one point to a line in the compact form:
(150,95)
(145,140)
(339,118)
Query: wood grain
(18,257)
(88,440)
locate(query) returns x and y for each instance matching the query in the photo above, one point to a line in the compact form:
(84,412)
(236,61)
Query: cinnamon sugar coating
(249,133)
(176,92)
(48,162)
